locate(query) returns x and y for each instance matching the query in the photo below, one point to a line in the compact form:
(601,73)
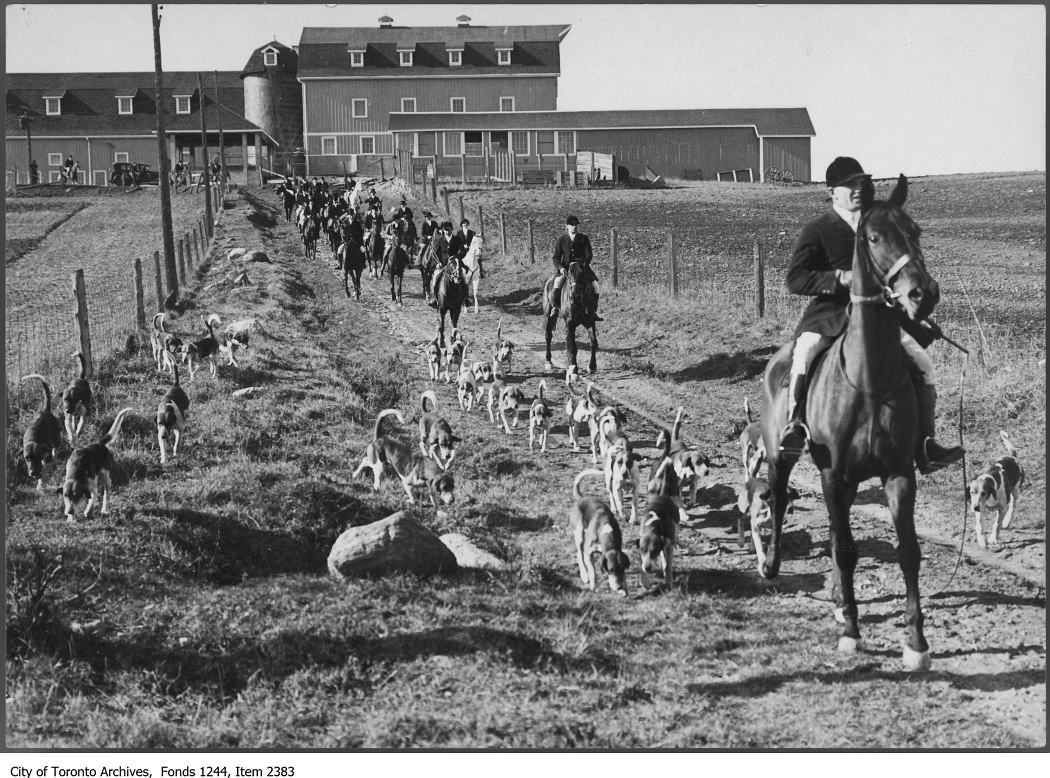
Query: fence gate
(502,167)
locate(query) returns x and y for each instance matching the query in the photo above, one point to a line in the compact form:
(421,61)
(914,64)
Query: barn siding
(789,154)
(670,152)
(328,103)
(103,153)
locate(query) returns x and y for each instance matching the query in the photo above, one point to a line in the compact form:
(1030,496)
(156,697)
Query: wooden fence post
(481,222)
(140,302)
(460,210)
(444,196)
(160,286)
(182,264)
(760,280)
(672,266)
(502,236)
(189,252)
(612,253)
(434,185)
(532,246)
(463,169)
(80,316)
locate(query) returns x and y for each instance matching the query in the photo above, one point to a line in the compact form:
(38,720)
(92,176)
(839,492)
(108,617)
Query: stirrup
(795,438)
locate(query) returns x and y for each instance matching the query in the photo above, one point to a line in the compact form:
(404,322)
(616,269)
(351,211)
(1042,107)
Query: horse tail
(583,474)
(428,395)
(382,415)
(1002,435)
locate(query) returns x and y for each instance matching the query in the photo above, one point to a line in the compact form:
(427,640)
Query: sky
(918,89)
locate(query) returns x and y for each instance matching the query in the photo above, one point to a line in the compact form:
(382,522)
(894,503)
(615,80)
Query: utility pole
(170,270)
(24,121)
(209,217)
(222,144)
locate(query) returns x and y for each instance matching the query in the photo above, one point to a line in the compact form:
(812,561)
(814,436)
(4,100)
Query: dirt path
(986,620)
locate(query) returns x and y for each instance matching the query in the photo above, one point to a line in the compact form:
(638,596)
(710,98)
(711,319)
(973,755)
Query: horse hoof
(916,661)
(848,645)
(840,615)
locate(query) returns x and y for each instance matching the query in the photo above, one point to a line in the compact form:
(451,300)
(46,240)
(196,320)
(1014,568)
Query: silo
(273,100)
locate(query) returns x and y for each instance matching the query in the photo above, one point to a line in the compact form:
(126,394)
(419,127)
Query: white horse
(472,274)
(357,196)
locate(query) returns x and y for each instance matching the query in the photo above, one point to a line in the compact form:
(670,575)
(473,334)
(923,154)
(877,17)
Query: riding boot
(596,316)
(796,433)
(930,455)
(555,303)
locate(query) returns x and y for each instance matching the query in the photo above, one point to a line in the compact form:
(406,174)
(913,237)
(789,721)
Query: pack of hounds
(89,468)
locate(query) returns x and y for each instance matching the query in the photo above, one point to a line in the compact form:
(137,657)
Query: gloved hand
(935,331)
(845,277)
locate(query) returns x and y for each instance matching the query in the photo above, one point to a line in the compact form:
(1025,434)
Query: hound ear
(638,542)
(625,560)
(766,494)
(456,439)
(900,192)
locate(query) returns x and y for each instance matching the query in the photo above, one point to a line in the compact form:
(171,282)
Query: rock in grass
(396,544)
(247,391)
(470,556)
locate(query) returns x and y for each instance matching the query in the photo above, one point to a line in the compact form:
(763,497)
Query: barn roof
(324,51)
(767,121)
(89,103)
(287,61)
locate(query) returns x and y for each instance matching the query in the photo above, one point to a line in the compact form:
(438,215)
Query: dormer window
(503,56)
(124,104)
(405,58)
(53,106)
(270,57)
(357,58)
(182,103)
(455,58)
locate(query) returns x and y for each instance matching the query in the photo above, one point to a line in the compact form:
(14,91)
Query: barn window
(54,159)
(503,56)
(453,144)
(455,58)
(182,103)
(545,142)
(506,104)
(405,58)
(368,144)
(269,58)
(357,59)
(520,142)
(408,105)
(53,106)
(124,106)
(359,108)
(458,104)
(328,145)
(472,144)
(120,156)
(567,142)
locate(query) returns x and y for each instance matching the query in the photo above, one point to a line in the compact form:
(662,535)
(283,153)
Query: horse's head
(888,259)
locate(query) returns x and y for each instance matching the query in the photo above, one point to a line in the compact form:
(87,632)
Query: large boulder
(395,544)
(470,556)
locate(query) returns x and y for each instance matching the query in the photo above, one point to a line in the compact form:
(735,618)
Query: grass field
(199,613)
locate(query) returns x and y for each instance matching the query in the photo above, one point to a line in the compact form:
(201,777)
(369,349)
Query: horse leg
(778,473)
(594,349)
(474,283)
(838,497)
(570,345)
(548,333)
(900,496)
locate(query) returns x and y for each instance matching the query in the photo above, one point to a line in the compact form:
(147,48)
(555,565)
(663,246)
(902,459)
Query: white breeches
(809,344)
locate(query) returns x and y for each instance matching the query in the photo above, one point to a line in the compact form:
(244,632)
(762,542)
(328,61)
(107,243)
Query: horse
(578,308)
(311,232)
(352,263)
(451,292)
(374,252)
(399,260)
(287,195)
(472,262)
(861,411)
(427,260)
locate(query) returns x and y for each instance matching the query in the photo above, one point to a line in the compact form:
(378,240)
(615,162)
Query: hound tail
(211,321)
(428,395)
(747,412)
(663,440)
(382,415)
(583,474)
(114,431)
(543,388)
(499,331)
(677,428)
(83,363)
(158,321)
(175,369)
(47,390)
(1002,435)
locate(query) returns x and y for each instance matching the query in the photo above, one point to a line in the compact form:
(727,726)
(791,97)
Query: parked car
(134,173)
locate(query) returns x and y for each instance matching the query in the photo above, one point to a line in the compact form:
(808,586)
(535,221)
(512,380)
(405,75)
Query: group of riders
(820,267)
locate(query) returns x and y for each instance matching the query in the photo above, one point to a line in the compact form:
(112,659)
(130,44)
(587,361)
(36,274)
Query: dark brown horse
(451,292)
(427,265)
(862,411)
(398,259)
(374,245)
(352,263)
(578,307)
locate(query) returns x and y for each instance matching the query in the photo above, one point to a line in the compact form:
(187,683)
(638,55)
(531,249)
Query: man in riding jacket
(466,235)
(445,252)
(822,266)
(573,246)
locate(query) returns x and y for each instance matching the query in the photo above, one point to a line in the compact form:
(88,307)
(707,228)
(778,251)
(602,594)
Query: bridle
(886,278)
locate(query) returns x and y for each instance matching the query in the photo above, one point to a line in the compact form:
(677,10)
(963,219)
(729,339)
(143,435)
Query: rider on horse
(446,251)
(821,266)
(574,246)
